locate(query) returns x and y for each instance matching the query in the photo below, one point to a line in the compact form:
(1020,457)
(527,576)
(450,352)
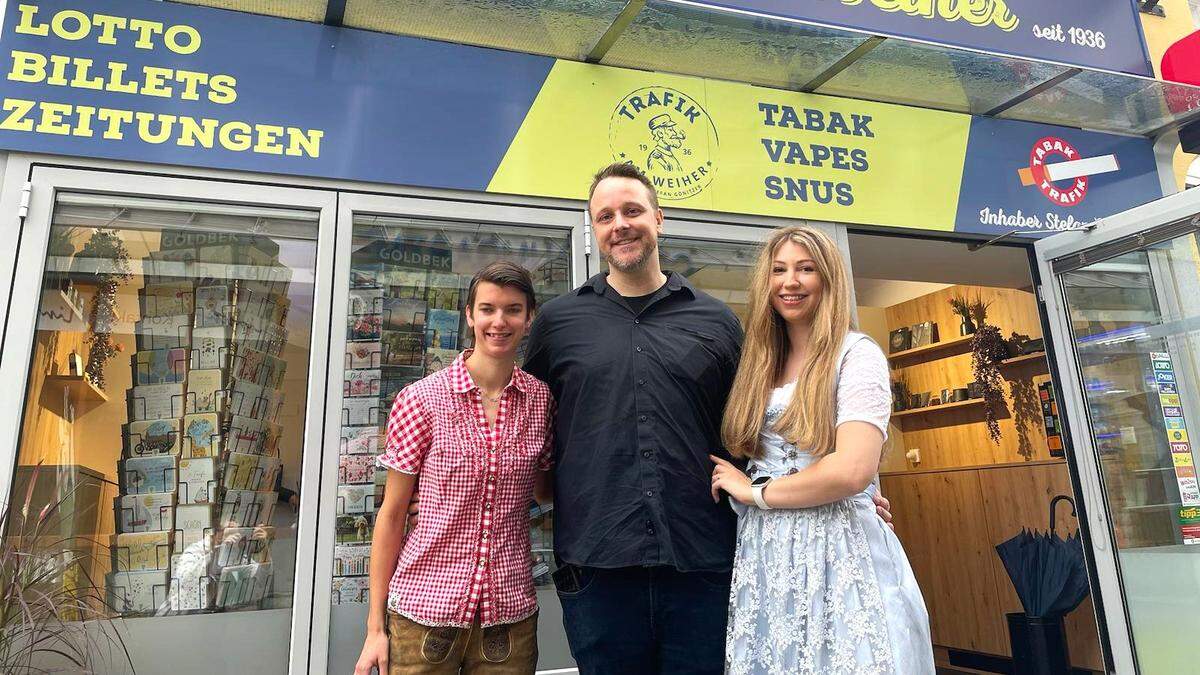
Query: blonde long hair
(809,419)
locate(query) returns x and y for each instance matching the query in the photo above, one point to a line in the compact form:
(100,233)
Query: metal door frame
(1161,220)
(450,210)
(45,182)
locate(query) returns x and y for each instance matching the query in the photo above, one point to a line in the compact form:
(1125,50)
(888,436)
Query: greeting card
(201,435)
(197,480)
(155,401)
(155,473)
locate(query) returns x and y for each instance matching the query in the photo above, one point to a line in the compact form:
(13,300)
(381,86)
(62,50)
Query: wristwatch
(756,490)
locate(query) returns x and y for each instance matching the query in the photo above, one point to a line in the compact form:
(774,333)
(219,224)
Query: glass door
(1124,305)
(164,354)
(404,266)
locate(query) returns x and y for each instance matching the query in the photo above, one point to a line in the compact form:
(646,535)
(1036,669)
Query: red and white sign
(1050,176)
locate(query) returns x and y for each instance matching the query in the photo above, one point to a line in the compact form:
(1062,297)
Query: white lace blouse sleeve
(864,391)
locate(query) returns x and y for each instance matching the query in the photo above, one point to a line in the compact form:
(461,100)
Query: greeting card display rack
(200,455)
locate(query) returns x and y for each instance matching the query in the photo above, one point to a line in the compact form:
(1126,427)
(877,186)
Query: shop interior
(958,488)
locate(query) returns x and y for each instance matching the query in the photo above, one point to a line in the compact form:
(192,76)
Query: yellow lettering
(52,119)
(81,81)
(302,141)
(17,108)
(108,27)
(58,70)
(116,119)
(222,89)
(192,131)
(153,83)
(235,136)
(26,24)
(83,25)
(166,124)
(267,141)
(172,37)
(146,30)
(27,67)
(980,13)
(191,83)
(116,77)
(83,124)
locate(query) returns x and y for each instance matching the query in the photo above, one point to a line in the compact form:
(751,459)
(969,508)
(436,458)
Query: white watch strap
(757,492)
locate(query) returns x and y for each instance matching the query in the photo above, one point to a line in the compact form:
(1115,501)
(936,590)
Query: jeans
(644,619)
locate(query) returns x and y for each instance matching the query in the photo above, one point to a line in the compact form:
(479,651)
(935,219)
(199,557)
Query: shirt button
(649,527)
(483,562)
(491,479)
(487,506)
(649,493)
(646,454)
(639,349)
(485,535)
(641,418)
(641,383)
(636,321)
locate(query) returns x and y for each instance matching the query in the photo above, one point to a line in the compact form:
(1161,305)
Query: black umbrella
(1046,570)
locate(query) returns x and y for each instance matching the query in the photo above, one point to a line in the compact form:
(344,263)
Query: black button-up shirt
(640,398)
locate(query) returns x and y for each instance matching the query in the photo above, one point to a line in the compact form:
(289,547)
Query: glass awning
(693,38)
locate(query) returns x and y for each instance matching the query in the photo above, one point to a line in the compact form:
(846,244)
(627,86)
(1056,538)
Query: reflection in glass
(721,269)
(1136,327)
(682,39)
(1103,101)
(165,401)
(408,287)
(563,28)
(937,77)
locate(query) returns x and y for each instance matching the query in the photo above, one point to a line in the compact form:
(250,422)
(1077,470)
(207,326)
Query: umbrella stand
(1048,575)
(1039,646)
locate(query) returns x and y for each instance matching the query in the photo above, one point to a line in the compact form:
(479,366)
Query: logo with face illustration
(669,136)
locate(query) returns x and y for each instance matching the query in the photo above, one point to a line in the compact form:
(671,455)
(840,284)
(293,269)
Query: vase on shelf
(966,326)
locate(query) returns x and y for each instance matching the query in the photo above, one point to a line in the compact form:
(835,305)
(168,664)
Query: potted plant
(962,307)
(988,349)
(112,270)
(54,617)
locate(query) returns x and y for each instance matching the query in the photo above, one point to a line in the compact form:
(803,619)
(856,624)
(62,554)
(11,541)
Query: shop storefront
(229,240)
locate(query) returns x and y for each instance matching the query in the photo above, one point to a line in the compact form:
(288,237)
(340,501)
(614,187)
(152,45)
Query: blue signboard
(1101,34)
(194,86)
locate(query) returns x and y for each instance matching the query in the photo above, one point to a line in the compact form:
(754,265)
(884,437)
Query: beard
(633,264)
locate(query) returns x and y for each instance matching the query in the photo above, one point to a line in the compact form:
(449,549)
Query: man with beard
(640,363)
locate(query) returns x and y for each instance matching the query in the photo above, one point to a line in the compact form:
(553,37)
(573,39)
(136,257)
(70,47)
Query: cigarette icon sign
(1051,178)
(1078,168)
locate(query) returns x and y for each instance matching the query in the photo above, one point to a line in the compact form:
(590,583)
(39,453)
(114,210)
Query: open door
(1123,300)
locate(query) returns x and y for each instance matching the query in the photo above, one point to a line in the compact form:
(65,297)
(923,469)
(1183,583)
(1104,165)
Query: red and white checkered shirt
(469,553)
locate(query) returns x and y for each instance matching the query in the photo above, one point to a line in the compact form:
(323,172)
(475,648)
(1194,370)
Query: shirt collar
(598,284)
(461,381)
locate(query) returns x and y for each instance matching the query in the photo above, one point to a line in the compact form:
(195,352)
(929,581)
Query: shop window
(164,414)
(408,287)
(721,269)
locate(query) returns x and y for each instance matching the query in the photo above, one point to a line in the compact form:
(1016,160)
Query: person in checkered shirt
(457,594)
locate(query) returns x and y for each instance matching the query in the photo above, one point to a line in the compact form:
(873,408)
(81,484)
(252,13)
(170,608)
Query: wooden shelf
(944,345)
(82,393)
(1024,358)
(969,403)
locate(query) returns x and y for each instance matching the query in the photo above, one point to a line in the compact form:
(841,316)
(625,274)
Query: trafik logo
(1064,182)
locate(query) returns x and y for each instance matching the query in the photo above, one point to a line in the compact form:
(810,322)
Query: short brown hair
(504,273)
(623,170)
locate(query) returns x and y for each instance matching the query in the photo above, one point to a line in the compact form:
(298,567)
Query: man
(667,137)
(640,363)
